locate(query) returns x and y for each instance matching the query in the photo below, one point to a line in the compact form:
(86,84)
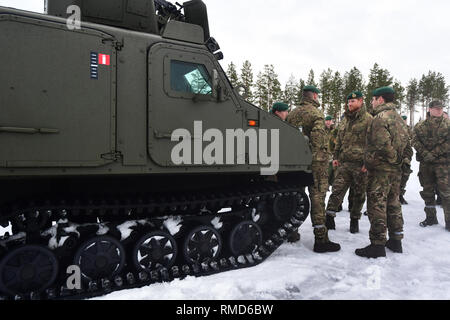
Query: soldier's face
(329,123)
(354,104)
(436,112)
(282,114)
(376,101)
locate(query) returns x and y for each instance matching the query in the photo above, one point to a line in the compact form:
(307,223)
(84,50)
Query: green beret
(311,88)
(328,118)
(355,95)
(404,117)
(437,104)
(383,90)
(280,107)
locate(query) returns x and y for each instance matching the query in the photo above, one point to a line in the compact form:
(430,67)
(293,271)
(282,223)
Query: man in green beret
(387,139)
(406,166)
(349,160)
(311,119)
(432,143)
(281,110)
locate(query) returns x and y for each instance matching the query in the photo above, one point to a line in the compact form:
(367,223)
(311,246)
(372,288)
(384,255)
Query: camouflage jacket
(351,139)
(387,140)
(312,121)
(331,136)
(432,140)
(409,152)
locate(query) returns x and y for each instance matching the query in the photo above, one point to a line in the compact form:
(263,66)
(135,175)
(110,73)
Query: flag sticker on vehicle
(103,59)
(98,59)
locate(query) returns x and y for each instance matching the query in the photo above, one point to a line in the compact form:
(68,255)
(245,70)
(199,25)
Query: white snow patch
(125,229)
(217,223)
(173,224)
(53,243)
(103,229)
(3,231)
(256,216)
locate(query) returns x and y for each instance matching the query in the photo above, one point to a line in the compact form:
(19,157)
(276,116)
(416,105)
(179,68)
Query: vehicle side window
(189,77)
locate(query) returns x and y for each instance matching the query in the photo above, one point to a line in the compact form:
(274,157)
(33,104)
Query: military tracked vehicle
(88,178)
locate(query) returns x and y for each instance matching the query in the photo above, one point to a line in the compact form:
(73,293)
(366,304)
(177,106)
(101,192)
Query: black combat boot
(339,208)
(293,237)
(431,220)
(394,245)
(354,226)
(326,247)
(372,251)
(402,200)
(330,224)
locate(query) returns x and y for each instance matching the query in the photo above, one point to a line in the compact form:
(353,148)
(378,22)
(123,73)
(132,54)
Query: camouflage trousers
(349,175)
(331,174)
(317,193)
(383,206)
(406,172)
(430,176)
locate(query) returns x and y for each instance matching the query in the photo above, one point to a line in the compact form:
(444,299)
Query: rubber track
(132,280)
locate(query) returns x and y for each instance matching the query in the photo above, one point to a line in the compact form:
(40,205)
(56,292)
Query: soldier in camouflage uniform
(311,119)
(349,161)
(387,140)
(432,143)
(406,167)
(281,110)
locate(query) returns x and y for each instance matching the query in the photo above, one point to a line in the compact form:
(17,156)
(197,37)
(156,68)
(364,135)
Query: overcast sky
(408,37)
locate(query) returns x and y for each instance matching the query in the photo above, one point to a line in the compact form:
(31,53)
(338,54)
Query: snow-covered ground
(295,272)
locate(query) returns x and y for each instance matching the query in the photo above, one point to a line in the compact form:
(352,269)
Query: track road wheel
(28,269)
(155,250)
(245,238)
(100,257)
(284,207)
(202,244)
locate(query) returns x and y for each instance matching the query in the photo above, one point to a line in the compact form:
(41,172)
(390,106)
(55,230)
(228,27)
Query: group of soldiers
(370,154)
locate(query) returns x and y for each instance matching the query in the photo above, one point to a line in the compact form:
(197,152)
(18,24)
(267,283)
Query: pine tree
(412,98)
(326,88)
(299,89)
(432,87)
(399,94)
(353,81)
(232,75)
(247,80)
(337,96)
(378,77)
(268,88)
(290,92)
(311,81)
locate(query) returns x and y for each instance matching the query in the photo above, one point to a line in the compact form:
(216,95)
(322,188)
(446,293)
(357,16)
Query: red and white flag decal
(104,59)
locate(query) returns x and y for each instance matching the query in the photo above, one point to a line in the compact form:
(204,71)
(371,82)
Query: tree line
(267,89)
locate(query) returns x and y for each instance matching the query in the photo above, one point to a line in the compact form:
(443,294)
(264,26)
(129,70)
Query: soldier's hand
(363,169)
(336,163)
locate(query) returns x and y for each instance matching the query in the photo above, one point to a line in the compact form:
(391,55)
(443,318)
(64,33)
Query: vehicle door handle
(28,130)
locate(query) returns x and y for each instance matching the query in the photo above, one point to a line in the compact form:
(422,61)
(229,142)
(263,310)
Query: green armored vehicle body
(126,152)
